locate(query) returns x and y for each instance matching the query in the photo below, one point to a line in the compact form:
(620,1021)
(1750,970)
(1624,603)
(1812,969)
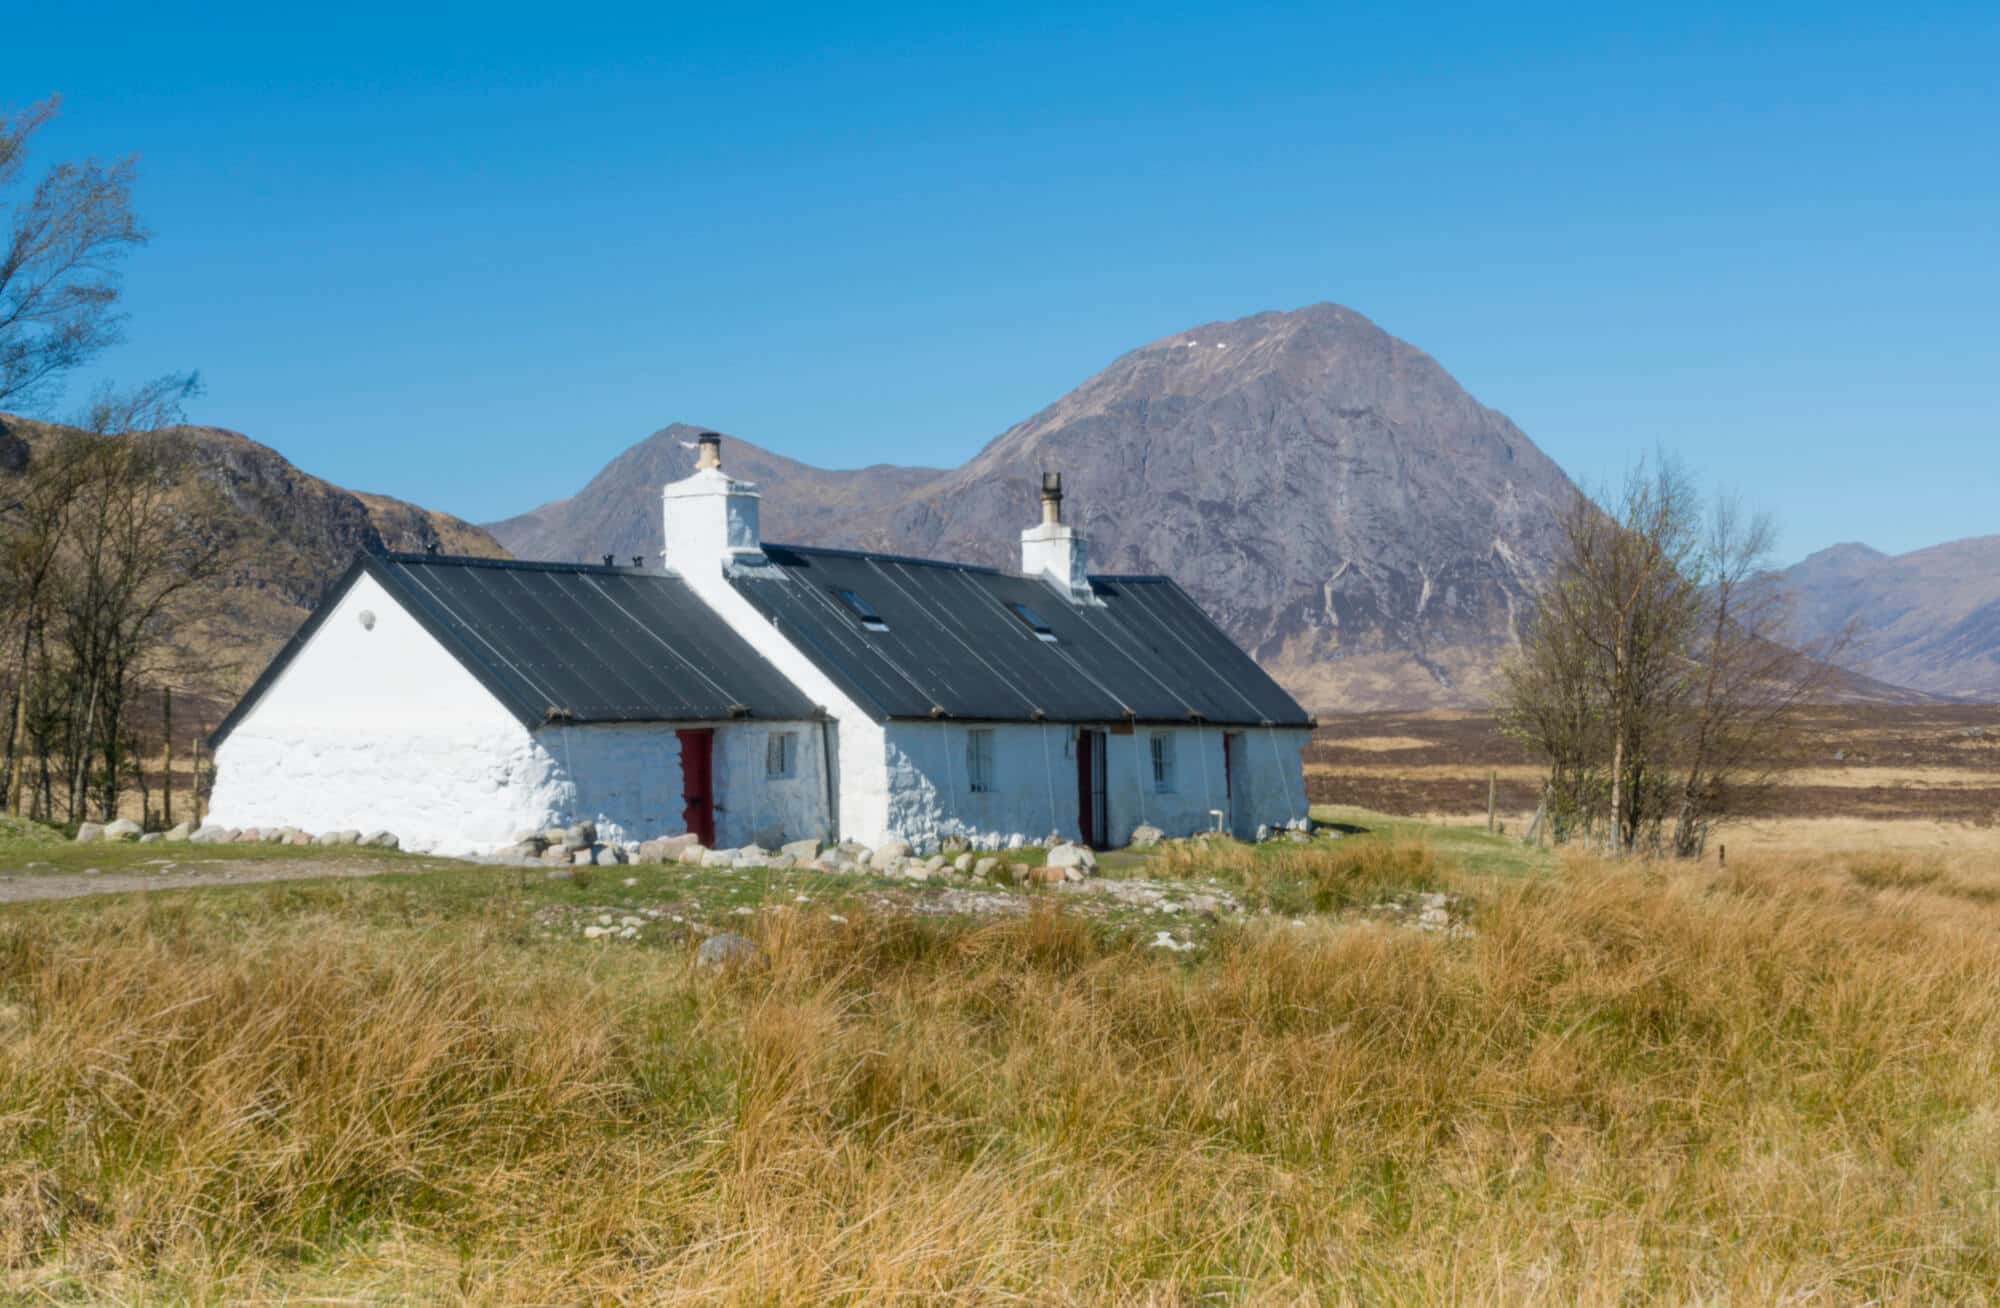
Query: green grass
(1468,849)
(66,857)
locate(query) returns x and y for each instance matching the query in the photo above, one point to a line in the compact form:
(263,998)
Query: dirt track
(18,887)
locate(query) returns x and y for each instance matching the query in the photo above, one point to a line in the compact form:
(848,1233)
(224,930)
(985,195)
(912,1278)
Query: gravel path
(16,888)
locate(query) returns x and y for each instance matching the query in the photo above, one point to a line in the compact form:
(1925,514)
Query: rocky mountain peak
(1352,516)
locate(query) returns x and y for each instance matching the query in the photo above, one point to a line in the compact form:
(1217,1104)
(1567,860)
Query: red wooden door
(698,784)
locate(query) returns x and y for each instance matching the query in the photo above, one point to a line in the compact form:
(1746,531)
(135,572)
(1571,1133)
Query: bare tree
(1654,681)
(59,266)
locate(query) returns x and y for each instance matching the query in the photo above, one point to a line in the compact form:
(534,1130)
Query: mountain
(1359,523)
(289,534)
(1929,619)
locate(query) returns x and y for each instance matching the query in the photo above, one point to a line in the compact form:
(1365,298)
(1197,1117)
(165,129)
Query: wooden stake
(1492,796)
(167,719)
(20,742)
(197,780)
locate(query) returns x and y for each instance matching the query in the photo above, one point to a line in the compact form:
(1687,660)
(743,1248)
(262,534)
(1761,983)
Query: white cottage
(752,692)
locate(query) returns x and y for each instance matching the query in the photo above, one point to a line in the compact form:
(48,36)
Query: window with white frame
(1163,763)
(979,760)
(781,750)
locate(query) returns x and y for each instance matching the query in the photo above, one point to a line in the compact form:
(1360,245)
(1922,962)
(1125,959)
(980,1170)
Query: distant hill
(1929,619)
(1369,531)
(290,533)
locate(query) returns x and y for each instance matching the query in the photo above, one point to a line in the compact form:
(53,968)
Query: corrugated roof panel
(572,642)
(949,640)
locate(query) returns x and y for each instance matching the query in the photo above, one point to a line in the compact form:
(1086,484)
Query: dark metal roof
(571,642)
(953,647)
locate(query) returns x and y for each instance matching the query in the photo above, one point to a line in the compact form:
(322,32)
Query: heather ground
(1411,1065)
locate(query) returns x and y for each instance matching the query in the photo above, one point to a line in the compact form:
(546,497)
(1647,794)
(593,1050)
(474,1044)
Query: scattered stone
(1165,940)
(1145,836)
(563,873)
(382,840)
(92,872)
(152,838)
(1047,876)
(985,867)
(726,947)
(964,864)
(935,863)
(87,832)
(629,882)
(593,932)
(123,829)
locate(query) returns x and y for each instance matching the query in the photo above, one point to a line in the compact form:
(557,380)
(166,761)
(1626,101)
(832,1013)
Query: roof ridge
(519,565)
(831,552)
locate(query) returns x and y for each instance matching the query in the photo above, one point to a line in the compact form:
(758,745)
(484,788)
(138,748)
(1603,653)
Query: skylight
(1034,621)
(870,619)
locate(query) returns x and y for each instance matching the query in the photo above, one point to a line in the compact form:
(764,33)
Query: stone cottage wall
(1034,782)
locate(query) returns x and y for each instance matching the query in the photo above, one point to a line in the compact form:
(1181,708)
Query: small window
(1163,763)
(780,753)
(979,760)
(1034,621)
(862,609)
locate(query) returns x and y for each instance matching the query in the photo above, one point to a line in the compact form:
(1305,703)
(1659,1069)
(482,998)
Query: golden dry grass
(1778,1083)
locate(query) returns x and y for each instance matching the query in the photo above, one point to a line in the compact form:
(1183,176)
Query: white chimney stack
(1052,549)
(711,519)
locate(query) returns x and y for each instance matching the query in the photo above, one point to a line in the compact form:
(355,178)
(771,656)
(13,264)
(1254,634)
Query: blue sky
(466,256)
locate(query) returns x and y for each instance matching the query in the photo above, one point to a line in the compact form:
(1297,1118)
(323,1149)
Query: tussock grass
(1778,1082)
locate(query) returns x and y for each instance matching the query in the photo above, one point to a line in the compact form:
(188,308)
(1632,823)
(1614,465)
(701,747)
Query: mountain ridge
(1928,619)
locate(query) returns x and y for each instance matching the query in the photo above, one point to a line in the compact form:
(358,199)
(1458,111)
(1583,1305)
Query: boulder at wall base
(889,852)
(382,840)
(664,849)
(123,829)
(183,831)
(1076,856)
(714,858)
(556,856)
(726,947)
(87,832)
(694,854)
(212,836)
(802,851)
(1146,836)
